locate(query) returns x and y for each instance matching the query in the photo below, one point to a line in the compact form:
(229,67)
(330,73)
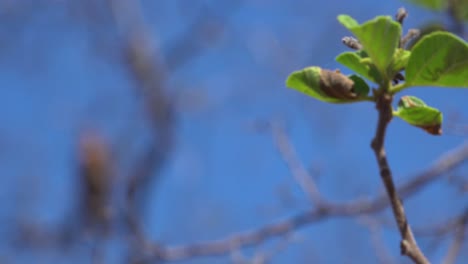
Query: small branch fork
(408,244)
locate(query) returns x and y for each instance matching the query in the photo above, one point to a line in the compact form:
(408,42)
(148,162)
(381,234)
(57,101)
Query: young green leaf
(348,21)
(355,61)
(415,112)
(379,38)
(438,59)
(400,59)
(328,86)
(360,86)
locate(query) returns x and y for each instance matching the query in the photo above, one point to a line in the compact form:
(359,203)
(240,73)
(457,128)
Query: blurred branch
(144,64)
(378,244)
(262,256)
(96,179)
(458,240)
(289,155)
(459,182)
(209,25)
(446,163)
(457,226)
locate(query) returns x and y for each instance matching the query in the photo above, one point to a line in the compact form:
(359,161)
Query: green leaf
(379,37)
(355,61)
(430,4)
(360,86)
(400,59)
(348,21)
(438,59)
(318,84)
(415,112)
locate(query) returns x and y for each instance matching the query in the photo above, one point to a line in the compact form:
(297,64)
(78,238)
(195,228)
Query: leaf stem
(397,88)
(369,98)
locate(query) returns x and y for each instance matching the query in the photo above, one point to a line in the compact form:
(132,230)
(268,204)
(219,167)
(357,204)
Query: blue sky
(60,75)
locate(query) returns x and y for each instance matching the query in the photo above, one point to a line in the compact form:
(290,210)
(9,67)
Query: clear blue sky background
(57,77)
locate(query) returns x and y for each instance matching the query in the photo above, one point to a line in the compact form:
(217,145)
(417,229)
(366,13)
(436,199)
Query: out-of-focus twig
(96,179)
(458,240)
(262,256)
(289,155)
(378,244)
(446,163)
(207,27)
(146,68)
(456,226)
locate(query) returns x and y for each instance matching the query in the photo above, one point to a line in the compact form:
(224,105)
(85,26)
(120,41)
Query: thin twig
(146,68)
(458,240)
(290,157)
(225,245)
(408,244)
(381,252)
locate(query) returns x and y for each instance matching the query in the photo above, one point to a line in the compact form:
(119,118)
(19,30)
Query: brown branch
(457,226)
(262,256)
(408,244)
(289,155)
(458,240)
(154,251)
(146,68)
(447,162)
(378,244)
(207,28)
(145,71)
(443,165)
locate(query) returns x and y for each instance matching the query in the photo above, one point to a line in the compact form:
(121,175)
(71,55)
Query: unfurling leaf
(356,61)
(379,37)
(415,112)
(400,59)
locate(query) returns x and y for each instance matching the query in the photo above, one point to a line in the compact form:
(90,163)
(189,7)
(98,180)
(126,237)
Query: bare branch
(146,68)
(289,155)
(208,26)
(458,240)
(446,163)
(223,246)
(378,244)
(96,179)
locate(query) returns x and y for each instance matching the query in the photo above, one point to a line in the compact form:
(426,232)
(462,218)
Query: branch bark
(408,244)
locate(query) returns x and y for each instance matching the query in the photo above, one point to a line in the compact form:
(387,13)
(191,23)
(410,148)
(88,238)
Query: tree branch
(447,162)
(298,171)
(458,240)
(408,244)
